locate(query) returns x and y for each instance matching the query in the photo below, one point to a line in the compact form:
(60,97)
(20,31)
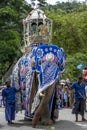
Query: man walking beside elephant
(8,94)
(79,95)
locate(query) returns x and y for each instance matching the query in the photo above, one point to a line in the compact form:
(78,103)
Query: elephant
(37,73)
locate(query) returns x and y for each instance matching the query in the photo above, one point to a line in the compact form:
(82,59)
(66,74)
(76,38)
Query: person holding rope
(79,101)
(8,94)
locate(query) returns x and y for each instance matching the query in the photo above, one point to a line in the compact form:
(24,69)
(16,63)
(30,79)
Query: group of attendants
(73,95)
(65,95)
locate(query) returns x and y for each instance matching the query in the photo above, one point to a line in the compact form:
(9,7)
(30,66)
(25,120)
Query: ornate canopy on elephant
(36,28)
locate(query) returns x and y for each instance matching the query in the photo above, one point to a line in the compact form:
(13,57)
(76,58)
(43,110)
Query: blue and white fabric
(48,61)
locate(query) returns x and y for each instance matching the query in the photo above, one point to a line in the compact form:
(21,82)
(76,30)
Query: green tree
(70,33)
(12,13)
(42,3)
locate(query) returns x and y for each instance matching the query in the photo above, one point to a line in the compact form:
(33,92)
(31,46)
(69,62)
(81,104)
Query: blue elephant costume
(48,61)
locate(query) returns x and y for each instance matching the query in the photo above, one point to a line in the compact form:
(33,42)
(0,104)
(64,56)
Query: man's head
(80,79)
(7,83)
(66,87)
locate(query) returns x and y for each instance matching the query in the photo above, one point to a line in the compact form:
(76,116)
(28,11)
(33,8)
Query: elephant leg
(33,89)
(42,109)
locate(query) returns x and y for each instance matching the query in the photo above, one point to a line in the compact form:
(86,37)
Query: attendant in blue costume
(79,95)
(8,94)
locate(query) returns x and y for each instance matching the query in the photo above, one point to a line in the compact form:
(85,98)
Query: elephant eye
(39,62)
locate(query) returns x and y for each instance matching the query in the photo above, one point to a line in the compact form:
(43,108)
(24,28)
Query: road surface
(66,121)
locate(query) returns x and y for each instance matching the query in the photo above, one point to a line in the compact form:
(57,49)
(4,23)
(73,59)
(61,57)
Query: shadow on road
(21,123)
(68,125)
(60,125)
(1,126)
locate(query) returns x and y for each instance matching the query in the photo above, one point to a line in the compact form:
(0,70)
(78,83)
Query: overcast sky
(54,1)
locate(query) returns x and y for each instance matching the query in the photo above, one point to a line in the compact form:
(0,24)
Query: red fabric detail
(85,74)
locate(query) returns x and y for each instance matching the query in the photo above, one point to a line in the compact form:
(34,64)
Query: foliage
(12,13)
(41,3)
(69,32)
(72,61)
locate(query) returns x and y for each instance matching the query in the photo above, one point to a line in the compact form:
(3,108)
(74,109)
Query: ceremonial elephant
(36,73)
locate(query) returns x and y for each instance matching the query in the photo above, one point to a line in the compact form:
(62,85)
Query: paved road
(66,121)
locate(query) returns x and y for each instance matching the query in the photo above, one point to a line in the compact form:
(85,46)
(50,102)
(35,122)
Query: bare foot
(83,119)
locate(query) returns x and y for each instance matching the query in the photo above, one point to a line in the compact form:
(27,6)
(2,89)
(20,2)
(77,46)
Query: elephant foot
(35,119)
(48,122)
(34,122)
(53,120)
(33,126)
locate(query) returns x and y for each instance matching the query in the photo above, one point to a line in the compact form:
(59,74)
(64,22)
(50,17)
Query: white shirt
(86,90)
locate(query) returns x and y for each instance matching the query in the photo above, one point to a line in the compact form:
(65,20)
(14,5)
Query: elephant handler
(8,94)
(79,95)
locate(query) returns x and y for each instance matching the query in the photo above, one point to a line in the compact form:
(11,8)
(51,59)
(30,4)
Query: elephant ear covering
(22,76)
(52,60)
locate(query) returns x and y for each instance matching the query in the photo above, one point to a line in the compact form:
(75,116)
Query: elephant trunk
(43,110)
